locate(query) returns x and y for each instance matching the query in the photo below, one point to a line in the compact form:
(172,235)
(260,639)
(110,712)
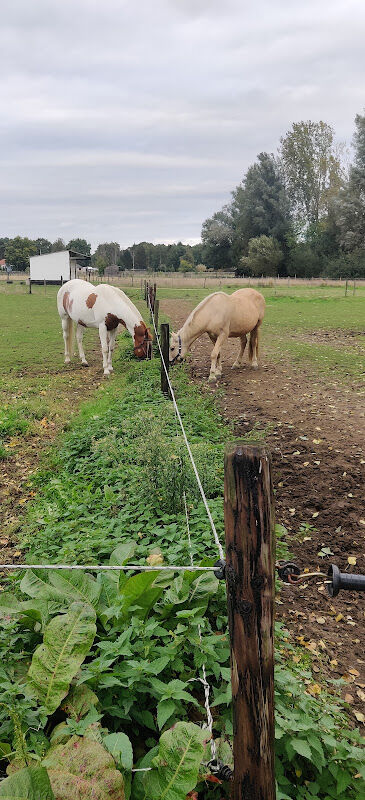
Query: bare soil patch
(28,452)
(316,434)
(333,338)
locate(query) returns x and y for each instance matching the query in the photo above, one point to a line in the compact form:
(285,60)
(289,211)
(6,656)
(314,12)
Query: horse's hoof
(84,364)
(254,366)
(235,366)
(106,373)
(212,379)
(67,360)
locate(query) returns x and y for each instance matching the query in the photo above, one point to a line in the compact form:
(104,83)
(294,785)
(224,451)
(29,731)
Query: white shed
(57,267)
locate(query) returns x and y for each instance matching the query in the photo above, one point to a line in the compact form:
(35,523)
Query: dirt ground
(316,435)
(18,467)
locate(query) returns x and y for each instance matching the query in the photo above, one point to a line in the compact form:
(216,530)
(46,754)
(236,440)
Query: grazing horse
(222,316)
(106,308)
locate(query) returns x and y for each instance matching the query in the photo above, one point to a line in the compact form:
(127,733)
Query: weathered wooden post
(353,291)
(250,559)
(346,287)
(44,283)
(30,286)
(165,344)
(155,314)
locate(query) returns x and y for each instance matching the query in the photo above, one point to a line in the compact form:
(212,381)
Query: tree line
(144,255)
(301,212)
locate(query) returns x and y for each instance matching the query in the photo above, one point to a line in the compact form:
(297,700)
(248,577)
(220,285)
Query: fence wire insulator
(221,771)
(220,569)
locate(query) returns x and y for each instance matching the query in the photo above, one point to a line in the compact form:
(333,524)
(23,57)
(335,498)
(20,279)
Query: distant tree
(185,265)
(109,252)
(125,260)
(58,245)
(18,252)
(140,257)
(351,201)
(260,206)
(173,255)
(3,242)
(217,237)
(264,256)
(100,263)
(43,246)
(312,168)
(80,245)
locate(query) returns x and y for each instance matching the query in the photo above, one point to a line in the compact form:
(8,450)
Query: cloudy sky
(134,121)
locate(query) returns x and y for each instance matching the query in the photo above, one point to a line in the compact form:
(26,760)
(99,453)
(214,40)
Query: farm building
(57,267)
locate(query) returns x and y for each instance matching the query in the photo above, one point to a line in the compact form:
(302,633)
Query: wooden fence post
(250,560)
(165,344)
(30,286)
(346,287)
(155,314)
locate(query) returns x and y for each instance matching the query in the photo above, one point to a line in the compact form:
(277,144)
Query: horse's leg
(79,335)
(103,333)
(112,338)
(239,359)
(67,333)
(253,348)
(214,372)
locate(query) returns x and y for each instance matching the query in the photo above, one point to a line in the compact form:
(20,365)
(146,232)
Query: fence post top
(242,448)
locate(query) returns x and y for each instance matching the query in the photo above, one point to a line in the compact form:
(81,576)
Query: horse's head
(177,348)
(142,341)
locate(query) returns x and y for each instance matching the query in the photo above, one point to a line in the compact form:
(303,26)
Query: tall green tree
(80,245)
(312,169)
(18,252)
(3,242)
(109,252)
(351,205)
(260,206)
(217,238)
(58,245)
(264,257)
(43,245)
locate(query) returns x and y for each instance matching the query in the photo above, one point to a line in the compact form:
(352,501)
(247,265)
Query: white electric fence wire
(219,546)
(98,567)
(203,680)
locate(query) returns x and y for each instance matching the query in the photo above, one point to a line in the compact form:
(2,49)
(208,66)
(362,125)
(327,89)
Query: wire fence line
(120,568)
(177,412)
(204,681)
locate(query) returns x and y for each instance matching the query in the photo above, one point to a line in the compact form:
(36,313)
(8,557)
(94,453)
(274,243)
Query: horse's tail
(253,347)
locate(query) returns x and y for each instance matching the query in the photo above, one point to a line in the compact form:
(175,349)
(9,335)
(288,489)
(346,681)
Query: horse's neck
(191,330)
(129,316)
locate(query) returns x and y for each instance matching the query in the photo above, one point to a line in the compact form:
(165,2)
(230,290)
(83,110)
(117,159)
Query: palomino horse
(104,307)
(222,316)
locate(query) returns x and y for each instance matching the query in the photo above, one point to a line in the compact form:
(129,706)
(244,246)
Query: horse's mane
(199,306)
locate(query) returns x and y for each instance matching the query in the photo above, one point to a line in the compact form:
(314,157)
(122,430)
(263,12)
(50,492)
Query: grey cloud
(129,121)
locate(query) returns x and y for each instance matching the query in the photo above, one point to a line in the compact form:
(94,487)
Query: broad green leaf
(138,591)
(5,749)
(79,701)
(27,784)
(9,604)
(120,748)
(176,767)
(122,554)
(35,585)
(76,585)
(67,640)
(165,709)
(301,747)
(82,768)
(109,596)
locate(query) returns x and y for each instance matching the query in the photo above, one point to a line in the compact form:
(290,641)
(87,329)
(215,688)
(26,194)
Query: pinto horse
(106,308)
(222,316)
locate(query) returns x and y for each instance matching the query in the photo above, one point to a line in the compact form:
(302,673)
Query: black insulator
(286,569)
(344,580)
(220,569)
(221,771)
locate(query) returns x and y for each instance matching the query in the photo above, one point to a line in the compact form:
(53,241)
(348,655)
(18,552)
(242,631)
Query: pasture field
(100,473)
